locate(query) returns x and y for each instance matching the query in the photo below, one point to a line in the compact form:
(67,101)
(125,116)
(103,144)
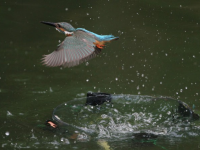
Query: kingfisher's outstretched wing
(73,50)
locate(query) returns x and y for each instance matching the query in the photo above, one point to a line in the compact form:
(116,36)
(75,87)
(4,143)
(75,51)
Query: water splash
(125,116)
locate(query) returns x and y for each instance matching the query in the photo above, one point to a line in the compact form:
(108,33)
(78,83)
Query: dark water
(157,54)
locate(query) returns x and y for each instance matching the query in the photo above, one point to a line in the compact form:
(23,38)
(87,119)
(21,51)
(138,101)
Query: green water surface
(157,54)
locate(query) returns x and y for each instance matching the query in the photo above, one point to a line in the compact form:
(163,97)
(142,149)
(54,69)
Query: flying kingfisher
(79,46)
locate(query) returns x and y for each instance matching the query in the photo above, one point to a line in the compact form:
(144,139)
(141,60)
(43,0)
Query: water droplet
(94,87)
(153,88)
(50,89)
(168,112)
(193,56)
(66,9)
(7,133)
(87,14)
(87,63)
(166,54)
(87,80)
(180,5)
(104,116)
(9,113)
(181,90)
(116,79)
(197,93)
(160,82)
(65,140)
(138,87)
(186,87)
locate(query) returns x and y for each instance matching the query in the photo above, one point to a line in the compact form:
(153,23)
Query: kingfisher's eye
(59,26)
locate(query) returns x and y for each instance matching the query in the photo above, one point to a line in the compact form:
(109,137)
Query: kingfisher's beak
(49,23)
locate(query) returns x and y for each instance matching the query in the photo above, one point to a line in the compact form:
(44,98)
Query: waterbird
(79,45)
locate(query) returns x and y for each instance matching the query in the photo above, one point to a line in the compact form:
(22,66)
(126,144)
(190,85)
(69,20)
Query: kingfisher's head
(62,27)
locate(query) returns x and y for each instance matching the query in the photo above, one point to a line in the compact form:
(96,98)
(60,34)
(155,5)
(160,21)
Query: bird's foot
(100,46)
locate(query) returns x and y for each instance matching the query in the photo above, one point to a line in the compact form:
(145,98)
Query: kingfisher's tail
(108,38)
(115,38)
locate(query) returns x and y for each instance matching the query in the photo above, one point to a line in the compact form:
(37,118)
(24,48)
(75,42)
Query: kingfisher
(79,45)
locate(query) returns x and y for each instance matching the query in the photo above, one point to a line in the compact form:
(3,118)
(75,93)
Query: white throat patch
(68,33)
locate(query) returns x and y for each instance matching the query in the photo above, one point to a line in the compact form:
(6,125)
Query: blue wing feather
(99,37)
